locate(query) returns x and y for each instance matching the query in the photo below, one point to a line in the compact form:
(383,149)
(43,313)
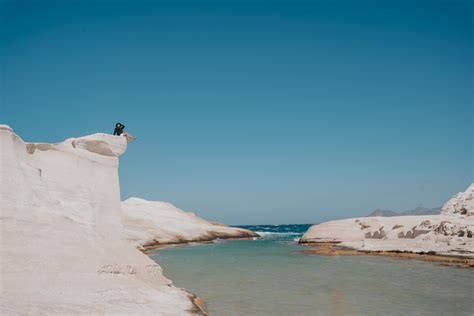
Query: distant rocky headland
(152,224)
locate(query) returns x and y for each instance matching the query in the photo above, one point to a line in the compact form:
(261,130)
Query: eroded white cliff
(62,248)
(450,233)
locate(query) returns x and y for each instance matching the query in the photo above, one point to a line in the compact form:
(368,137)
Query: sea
(274,275)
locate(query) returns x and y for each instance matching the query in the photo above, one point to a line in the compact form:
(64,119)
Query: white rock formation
(155,223)
(461,203)
(62,248)
(450,233)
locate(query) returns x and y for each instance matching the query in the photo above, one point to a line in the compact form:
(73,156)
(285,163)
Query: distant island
(417,211)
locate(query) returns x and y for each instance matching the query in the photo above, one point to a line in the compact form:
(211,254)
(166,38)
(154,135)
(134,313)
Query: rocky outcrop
(152,223)
(461,203)
(63,250)
(450,233)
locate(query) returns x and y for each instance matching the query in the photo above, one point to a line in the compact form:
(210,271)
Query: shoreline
(150,249)
(333,249)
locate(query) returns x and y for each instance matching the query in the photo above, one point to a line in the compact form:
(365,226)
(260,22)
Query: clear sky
(253,112)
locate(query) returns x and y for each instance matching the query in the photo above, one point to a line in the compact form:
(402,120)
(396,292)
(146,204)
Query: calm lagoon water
(271,276)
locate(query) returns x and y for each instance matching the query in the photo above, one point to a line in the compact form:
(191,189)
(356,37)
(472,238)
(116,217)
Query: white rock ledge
(450,233)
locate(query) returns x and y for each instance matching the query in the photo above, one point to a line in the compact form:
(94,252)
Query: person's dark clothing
(119,130)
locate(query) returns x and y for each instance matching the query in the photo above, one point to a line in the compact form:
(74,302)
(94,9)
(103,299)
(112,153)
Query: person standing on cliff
(119,129)
(119,132)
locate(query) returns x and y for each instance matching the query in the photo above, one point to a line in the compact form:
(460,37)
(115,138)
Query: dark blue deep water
(278,231)
(293,229)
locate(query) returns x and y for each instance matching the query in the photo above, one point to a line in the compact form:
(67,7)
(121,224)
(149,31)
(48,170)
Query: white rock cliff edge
(450,233)
(63,249)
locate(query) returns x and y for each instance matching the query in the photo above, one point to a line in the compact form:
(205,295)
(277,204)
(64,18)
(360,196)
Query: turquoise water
(271,276)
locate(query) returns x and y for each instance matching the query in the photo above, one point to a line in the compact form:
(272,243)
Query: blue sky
(254,111)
